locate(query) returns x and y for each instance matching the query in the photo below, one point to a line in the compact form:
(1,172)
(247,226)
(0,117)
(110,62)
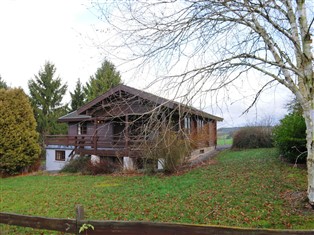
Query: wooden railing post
(95,143)
(79,211)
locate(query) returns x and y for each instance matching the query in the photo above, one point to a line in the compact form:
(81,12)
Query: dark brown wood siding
(105,132)
(72,130)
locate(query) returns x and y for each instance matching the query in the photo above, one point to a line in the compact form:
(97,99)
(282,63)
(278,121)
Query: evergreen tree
(105,78)
(290,134)
(46,94)
(19,148)
(294,106)
(290,137)
(78,96)
(3,84)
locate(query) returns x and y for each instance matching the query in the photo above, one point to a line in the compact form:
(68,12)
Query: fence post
(79,211)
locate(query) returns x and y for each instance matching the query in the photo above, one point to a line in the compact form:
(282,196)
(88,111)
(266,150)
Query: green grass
(244,189)
(224,141)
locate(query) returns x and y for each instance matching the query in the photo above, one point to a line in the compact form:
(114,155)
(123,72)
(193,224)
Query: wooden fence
(131,228)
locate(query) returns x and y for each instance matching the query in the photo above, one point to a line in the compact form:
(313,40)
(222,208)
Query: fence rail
(132,228)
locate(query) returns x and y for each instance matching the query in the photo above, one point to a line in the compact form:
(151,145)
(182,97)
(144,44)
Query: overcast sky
(64,32)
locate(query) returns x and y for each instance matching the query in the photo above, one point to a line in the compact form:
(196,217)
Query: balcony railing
(92,144)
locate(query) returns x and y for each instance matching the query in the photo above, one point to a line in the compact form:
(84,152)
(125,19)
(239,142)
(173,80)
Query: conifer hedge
(19,148)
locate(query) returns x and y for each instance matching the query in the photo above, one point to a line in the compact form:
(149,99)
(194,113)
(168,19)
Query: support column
(95,139)
(215,132)
(128,163)
(127,135)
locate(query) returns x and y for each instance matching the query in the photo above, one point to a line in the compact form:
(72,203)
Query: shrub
(290,137)
(76,165)
(104,166)
(84,165)
(252,137)
(170,147)
(19,148)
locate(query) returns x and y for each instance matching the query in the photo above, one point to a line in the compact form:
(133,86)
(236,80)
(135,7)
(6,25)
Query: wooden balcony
(92,144)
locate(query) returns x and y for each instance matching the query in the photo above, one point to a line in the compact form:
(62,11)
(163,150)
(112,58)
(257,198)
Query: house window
(60,155)
(82,128)
(187,124)
(200,123)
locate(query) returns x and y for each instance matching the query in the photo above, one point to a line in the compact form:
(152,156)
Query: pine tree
(46,94)
(105,78)
(294,106)
(19,148)
(78,96)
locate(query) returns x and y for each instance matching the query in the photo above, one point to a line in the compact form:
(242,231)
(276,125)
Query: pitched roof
(73,116)
(144,95)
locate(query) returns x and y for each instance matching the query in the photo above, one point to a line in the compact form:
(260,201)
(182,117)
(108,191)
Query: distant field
(224,140)
(224,135)
(243,188)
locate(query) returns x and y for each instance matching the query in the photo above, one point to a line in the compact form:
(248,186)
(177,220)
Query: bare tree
(219,41)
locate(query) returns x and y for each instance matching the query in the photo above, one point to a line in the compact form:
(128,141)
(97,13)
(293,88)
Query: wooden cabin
(116,124)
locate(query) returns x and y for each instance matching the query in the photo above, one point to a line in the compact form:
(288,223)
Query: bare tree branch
(200,46)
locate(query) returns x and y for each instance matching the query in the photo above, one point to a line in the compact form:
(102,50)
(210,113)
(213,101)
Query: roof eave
(145,95)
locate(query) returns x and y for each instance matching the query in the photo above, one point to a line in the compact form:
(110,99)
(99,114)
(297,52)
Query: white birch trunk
(306,88)
(309,120)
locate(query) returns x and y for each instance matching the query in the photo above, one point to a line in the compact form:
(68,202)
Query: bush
(85,166)
(19,148)
(253,137)
(76,165)
(104,166)
(290,138)
(170,147)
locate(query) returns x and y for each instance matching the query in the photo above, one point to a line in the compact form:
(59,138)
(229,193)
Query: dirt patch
(296,165)
(298,201)
(187,167)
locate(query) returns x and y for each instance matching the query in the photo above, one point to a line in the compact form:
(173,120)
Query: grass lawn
(243,188)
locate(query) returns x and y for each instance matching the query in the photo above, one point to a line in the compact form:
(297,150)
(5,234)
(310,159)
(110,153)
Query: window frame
(187,124)
(200,123)
(60,155)
(82,128)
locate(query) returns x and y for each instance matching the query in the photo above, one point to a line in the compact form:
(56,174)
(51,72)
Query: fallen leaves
(243,188)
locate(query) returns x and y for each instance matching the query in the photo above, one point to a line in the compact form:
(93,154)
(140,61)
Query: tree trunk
(309,120)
